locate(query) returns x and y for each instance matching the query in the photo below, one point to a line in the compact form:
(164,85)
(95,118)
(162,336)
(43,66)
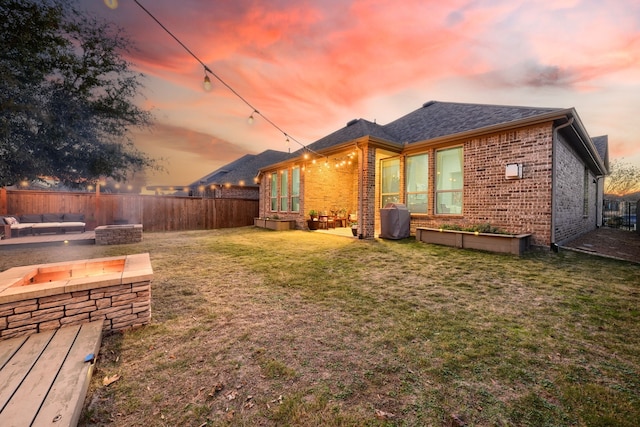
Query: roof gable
(355,129)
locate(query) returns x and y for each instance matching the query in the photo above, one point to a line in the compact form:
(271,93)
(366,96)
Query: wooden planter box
(502,243)
(275,224)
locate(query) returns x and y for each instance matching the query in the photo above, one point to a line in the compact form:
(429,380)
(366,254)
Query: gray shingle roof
(432,120)
(437,119)
(244,169)
(602,145)
(355,129)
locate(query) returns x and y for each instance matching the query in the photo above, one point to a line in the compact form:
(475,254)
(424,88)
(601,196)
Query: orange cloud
(186,154)
(312,66)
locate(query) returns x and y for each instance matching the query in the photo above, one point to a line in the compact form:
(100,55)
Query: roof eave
(589,145)
(329,151)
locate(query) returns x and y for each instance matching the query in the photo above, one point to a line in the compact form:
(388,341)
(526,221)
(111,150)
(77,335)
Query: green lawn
(253,327)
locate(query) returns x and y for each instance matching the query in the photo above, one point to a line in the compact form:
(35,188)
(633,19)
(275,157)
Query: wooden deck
(44,377)
(25,242)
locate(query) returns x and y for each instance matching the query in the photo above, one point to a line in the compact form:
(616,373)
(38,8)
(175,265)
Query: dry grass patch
(253,327)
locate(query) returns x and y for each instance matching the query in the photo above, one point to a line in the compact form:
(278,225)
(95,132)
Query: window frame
(407,174)
(283,205)
(295,189)
(274,192)
(387,195)
(585,193)
(457,194)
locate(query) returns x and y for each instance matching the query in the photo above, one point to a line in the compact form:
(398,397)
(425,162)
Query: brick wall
(323,187)
(515,205)
(120,307)
(518,205)
(570,220)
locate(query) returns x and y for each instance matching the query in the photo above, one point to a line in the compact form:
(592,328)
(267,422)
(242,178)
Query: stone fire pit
(118,234)
(36,298)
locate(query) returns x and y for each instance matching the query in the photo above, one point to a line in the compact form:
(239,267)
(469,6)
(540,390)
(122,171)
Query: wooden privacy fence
(155,213)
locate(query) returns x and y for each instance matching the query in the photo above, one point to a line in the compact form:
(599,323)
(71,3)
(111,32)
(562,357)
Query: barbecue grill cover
(395,221)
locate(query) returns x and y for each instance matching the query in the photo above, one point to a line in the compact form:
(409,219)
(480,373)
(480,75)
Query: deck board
(19,366)
(66,396)
(8,348)
(45,378)
(26,401)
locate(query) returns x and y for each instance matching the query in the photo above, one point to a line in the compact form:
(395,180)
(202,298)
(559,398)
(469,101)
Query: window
(390,172)
(284,190)
(274,191)
(295,189)
(417,179)
(585,194)
(449,180)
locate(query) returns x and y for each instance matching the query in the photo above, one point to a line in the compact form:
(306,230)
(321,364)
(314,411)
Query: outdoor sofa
(32,224)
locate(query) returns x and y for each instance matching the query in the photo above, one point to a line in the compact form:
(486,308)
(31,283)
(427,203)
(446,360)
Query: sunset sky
(312,66)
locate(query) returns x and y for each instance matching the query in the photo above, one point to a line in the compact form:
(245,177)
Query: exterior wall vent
(513,171)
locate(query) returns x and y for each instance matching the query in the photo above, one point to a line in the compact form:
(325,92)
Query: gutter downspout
(360,187)
(554,140)
(599,203)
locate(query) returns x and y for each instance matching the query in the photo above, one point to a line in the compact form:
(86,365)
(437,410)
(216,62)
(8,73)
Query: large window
(390,172)
(295,189)
(417,179)
(284,190)
(449,181)
(274,191)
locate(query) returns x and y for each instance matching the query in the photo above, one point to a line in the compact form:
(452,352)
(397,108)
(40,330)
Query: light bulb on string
(251,119)
(206,84)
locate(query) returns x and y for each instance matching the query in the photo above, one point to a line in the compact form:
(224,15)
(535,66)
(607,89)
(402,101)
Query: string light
(111,4)
(207,83)
(209,71)
(251,119)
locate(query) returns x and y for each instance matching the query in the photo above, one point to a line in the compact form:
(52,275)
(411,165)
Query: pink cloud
(311,66)
(208,147)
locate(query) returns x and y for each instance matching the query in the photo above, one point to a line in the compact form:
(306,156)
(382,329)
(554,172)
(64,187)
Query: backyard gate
(620,214)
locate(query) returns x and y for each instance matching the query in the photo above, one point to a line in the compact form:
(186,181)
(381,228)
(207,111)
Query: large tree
(67,96)
(623,179)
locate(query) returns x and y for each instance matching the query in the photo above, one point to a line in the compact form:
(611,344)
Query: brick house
(236,180)
(521,169)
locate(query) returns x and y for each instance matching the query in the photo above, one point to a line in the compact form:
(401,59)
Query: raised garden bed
(515,244)
(275,224)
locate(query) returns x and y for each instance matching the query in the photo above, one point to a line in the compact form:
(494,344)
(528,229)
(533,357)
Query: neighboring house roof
(243,170)
(602,145)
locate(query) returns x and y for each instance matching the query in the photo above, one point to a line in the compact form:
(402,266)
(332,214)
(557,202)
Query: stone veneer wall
(120,307)
(118,234)
(122,300)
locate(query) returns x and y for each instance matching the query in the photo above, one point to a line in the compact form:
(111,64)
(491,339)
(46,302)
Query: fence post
(3,201)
